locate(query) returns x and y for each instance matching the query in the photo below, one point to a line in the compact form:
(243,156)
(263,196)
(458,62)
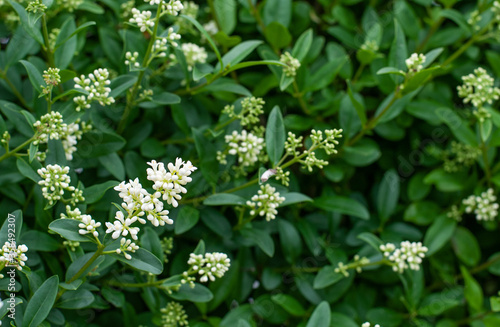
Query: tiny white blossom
(484,206)
(210,266)
(408,255)
(55,180)
(265,202)
(121,226)
(415,62)
(88,226)
(97,84)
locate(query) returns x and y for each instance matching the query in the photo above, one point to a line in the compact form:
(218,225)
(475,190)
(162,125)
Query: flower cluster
(143,19)
(88,226)
(408,255)
(172,7)
(51,126)
(484,206)
(173,315)
(478,88)
(97,86)
(10,254)
(159,48)
(246,146)
(55,180)
(173,37)
(358,264)
(51,76)
(122,226)
(370,45)
(459,155)
(170,183)
(251,109)
(265,202)
(292,64)
(415,62)
(209,266)
(36,7)
(127,246)
(193,54)
(474,20)
(131,59)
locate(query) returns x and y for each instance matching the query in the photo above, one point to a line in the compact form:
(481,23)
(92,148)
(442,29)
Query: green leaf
(246,64)
(390,70)
(217,222)
(227,85)
(446,300)
(80,28)
(41,302)
(143,260)
(77,299)
(186,219)
(96,144)
(290,304)
(326,277)
(27,170)
(225,13)
(220,65)
(388,195)
(325,75)
(68,228)
(113,164)
(275,136)
(359,106)
(291,244)
(151,242)
(398,53)
(34,75)
(277,35)
(385,316)
(65,53)
(371,239)
(466,246)
(321,316)
(343,205)
(485,128)
(113,296)
(198,294)
(56,153)
(421,213)
(32,152)
(457,126)
(457,17)
(221,199)
(38,241)
(431,56)
(495,303)
(439,233)
(472,291)
(277,11)
(339,319)
(294,197)
(8,229)
(78,264)
(445,181)
(261,238)
(363,153)
(238,53)
(27,24)
(121,84)
(91,7)
(95,192)
(419,79)
(303,44)
(206,151)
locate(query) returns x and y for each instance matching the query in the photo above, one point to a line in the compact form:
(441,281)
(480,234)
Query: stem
(256,15)
(358,72)
(96,255)
(487,170)
(231,190)
(299,96)
(432,30)
(48,50)
(145,63)
(457,53)
(11,153)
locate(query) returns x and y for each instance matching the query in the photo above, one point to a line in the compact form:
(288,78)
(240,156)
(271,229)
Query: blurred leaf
(186,219)
(225,12)
(343,205)
(439,233)
(275,136)
(321,316)
(466,246)
(388,195)
(198,294)
(261,238)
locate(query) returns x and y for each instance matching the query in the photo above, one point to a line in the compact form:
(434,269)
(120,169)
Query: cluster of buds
(358,264)
(36,7)
(127,246)
(415,62)
(172,7)
(370,45)
(143,19)
(408,255)
(292,64)
(96,84)
(251,109)
(328,143)
(265,202)
(88,226)
(478,88)
(173,315)
(69,5)
(459,155)
(484,206)
(131,59)
(367,324)
(55,180)
(12,255)
(209,266)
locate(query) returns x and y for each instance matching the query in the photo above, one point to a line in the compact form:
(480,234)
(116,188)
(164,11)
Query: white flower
(97,85)
(121,226)
(210,266)
(55,180)
(9,254)
(127,245)
(408,255)
(415,62)
(88,226)
(478,88)
(265,202)
(142,19)
(193,54)
(170,183)
(50,126)
(131,59)
(246,146)
(484,206)
(367,324)
(173,7)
